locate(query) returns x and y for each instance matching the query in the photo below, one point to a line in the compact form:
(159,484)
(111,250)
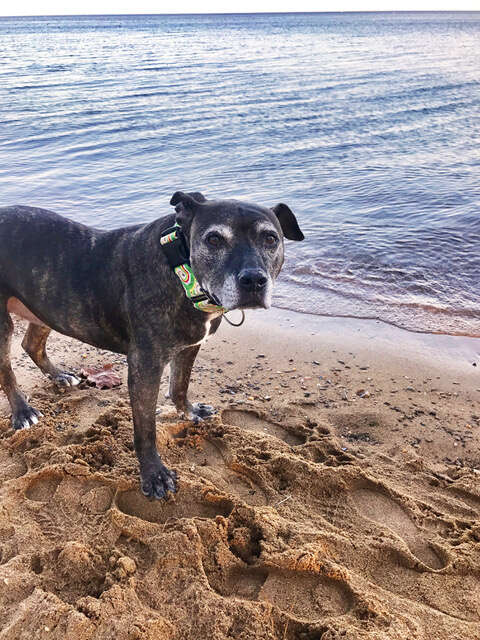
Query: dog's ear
(288,222)
(196,195)
(186,204)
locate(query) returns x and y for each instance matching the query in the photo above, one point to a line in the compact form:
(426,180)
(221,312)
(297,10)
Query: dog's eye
(214,239)
(271,240)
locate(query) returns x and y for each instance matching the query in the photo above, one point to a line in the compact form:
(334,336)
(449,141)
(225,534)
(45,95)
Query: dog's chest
(206,331)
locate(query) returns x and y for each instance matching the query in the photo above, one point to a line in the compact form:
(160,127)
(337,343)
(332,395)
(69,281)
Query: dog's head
(236,248)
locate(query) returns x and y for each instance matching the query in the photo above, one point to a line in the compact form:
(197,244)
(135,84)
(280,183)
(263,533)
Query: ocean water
(366,125)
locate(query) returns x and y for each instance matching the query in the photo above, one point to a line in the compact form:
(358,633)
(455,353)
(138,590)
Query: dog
(117,290)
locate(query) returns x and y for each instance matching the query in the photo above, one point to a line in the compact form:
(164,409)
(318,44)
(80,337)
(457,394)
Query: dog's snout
(252,279)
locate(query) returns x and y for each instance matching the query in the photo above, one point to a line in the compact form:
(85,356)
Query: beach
(335,494)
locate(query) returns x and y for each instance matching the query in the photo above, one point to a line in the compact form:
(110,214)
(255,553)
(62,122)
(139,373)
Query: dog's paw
(200,411)
(66,379)
(25,417)
(157,484)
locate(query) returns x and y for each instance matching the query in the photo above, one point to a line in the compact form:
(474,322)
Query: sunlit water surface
(367,125)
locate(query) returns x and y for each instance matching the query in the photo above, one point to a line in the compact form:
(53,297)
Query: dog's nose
(252,279)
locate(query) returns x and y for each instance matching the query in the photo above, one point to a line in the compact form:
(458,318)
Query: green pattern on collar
(190,283)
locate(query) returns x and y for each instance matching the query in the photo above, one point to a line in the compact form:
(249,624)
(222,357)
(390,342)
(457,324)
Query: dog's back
(56,268)
(32,241)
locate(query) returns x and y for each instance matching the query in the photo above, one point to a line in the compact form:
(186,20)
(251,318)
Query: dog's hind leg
(23,415)
(34,343)
(180,372)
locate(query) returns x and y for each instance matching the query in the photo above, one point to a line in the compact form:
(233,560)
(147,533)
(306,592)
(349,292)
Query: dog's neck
(177,253)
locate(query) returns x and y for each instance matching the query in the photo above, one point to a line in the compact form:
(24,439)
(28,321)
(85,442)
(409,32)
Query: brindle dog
(115,290)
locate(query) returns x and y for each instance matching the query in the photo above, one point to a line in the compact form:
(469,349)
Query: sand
(335,495)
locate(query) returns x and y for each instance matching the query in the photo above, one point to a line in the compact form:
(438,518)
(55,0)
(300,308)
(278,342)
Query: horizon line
(232,13)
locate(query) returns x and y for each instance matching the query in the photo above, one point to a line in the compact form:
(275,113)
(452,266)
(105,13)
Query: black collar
(177,252)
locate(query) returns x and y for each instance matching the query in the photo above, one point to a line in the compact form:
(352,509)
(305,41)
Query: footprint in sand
(250,420)
(383,510)
(306,596)
(97,500)
(467,497)
(187,504)
(43,487)
(142,554)
(208,461)
(10,468)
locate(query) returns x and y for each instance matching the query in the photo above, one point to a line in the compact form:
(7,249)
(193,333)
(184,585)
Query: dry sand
(336,494)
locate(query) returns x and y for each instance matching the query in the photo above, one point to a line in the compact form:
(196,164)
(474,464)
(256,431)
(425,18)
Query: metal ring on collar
(233,323)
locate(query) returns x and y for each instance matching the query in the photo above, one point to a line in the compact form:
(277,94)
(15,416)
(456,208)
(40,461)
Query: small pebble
(127,564)
(363,393)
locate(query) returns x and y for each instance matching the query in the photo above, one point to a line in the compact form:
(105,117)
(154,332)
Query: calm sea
(367,125)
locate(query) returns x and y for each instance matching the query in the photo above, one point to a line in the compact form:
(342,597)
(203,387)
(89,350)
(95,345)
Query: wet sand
(335,495)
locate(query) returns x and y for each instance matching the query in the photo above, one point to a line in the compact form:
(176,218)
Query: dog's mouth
(248,302)
(231,296)
(253,304)
(245,302)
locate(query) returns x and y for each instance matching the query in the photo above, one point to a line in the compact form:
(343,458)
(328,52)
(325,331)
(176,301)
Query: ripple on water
(360,122)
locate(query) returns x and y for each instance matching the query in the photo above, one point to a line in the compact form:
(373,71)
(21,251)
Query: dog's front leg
(180,371)
(144,373)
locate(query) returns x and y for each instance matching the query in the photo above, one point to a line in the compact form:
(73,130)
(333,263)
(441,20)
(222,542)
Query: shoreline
(383,321)
(458,353)
(453,361)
